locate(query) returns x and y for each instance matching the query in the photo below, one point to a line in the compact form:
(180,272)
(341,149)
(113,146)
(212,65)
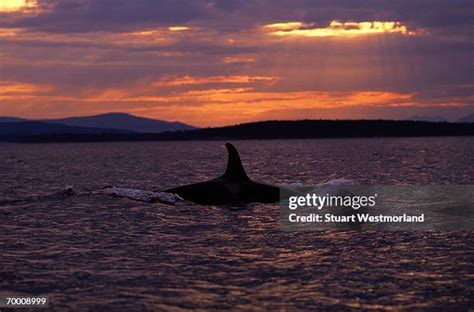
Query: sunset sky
(210,62)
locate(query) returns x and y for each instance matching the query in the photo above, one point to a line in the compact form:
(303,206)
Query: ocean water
(95,252)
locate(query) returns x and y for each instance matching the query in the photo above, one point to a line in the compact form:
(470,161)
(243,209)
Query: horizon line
(240,123)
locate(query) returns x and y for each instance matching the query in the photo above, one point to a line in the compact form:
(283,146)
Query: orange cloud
(159,31)
(144,33)
(338,29)
(239,59)
(236,105)
(9,32)
(205,107)
(12,89)
(259,101)
(220,106)
(190,80)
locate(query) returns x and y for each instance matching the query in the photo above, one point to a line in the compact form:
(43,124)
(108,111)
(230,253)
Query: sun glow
(17,5)
(338,29)
(178,28)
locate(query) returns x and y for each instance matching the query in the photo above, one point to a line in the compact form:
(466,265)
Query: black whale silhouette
(234,186)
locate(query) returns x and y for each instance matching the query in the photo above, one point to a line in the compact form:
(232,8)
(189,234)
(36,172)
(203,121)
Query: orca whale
(234,186)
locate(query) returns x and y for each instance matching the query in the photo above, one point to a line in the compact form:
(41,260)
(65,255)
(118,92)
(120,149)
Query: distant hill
(11,119)
(468,118)
(428,118)
(301,129)
(33,128)
(122,121)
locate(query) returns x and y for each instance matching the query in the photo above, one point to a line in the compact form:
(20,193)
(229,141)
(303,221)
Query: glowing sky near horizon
(209,62)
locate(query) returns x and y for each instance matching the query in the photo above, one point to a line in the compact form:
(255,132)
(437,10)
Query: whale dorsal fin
(235,170)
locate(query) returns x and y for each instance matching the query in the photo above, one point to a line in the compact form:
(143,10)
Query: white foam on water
(340,181)
(140,195)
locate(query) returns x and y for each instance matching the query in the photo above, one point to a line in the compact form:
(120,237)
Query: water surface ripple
(92,252)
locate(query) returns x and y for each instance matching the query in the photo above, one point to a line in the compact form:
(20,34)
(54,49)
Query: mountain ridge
(467,118)
(428,118)
(38,128)
(123,121)
(11,119)
(112,121)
